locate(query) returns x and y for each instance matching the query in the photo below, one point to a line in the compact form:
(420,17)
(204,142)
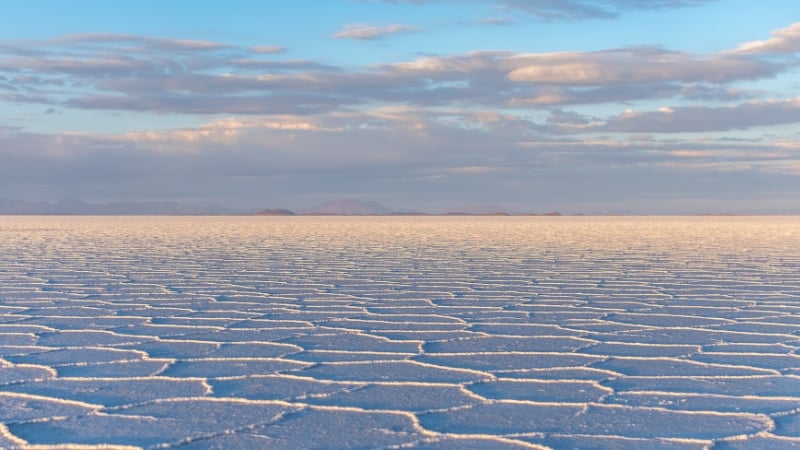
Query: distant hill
(276,212)
(352,207)
(339,207)
(348,207)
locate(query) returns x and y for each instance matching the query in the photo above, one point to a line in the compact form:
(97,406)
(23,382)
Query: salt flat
(400,332)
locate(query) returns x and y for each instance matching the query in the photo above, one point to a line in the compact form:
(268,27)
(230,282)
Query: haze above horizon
(664,106)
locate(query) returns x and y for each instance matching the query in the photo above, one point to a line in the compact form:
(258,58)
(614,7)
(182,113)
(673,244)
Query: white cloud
(371,32)
(633,65)
(268,49)
(226,130)
(785,40)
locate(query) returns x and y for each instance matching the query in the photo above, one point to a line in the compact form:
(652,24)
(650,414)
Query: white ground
(451,333)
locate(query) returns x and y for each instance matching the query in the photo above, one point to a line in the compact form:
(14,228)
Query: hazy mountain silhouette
(276,212)
(349,207)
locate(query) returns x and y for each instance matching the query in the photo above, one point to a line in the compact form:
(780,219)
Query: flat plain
(400,332)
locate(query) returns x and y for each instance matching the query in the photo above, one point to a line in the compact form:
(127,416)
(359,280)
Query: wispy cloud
(707,118)
(268,49)
(121,72)
(590,9)
(571,9)
(366,32)
(497,21)
(153,43)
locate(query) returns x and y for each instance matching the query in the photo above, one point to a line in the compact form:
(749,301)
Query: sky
(585,106)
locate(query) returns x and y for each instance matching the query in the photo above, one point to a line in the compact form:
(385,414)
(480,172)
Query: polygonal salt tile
(675,367)
(772,361)
(21,373)
(110,392)
(619,443)
(426,336)
(788,425)
(16,407)
(666,320)
(275,387)
(763,441)
(254,350)
(541,391)
(696,336)
(340,428)
(501,419)
(353,342)
(233,335)
(70,356)
(268,323)
(67,311)
(523,329)
(86,338)
(759,385)
(507,344)
(749,348)
(632,349)
(18,339)
(118,369)
(194,322)
(704,402)
(318,356)
(498,362)
(88,323)
(560,373)
(212,415)
(160,423)
(244,440)
(164,331)
(412,398)
(377,325)
(600,329)
(391,371)
(231,367)
(764,328)
(23,328)
(646,423)
(475,443)
(174,348)
(103,429)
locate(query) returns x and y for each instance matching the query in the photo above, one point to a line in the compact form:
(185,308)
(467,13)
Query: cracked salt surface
(440,333)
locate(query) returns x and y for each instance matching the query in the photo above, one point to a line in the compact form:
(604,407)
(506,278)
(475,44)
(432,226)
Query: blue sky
(653,106)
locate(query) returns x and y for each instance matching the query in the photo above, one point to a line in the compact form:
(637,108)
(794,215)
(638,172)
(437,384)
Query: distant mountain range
(352,207)
(348,207)
(339,207)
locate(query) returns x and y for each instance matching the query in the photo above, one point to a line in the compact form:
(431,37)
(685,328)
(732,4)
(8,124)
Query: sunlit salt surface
(445,333)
